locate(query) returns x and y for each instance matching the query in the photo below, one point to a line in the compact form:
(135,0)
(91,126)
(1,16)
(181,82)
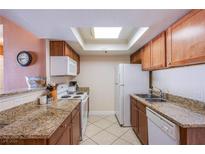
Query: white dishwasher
(160,130)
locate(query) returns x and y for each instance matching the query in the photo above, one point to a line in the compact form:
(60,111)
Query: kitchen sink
(155,100)
(148,96)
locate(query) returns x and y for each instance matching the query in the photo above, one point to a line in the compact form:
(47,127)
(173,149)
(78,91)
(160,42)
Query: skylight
(107,32)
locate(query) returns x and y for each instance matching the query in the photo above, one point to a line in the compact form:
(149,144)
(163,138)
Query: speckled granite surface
(180,113)
(35,121)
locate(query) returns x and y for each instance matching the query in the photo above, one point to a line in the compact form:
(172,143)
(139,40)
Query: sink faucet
(160,91)
(150,91)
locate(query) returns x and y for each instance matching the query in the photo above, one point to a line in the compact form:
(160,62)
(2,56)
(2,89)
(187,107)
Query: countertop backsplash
(10,101)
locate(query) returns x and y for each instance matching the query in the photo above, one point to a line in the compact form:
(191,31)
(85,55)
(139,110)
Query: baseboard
(102,112)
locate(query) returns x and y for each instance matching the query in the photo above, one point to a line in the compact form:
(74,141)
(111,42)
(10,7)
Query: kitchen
(115,83)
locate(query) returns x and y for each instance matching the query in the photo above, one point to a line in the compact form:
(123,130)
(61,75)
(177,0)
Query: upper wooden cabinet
(146,57)
(135,58)
(61,48)
(158,52)
(1,49)
(154,54)
(186,40)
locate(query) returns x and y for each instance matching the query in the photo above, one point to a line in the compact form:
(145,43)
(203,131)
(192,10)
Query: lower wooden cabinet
(143,129)
(139,120)
(65,139)
(134,117)
(76,127)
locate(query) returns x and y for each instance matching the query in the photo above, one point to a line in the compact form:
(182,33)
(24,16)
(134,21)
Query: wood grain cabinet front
(134,116)
(186,40)
(146,57)
(139,120)
(158,52)
(76,126)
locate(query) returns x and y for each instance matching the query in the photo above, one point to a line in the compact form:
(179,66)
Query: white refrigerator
(129,79)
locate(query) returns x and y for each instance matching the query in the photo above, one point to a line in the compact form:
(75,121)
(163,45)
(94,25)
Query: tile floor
(104,130)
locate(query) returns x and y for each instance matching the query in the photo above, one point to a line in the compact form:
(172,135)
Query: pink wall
(17,39)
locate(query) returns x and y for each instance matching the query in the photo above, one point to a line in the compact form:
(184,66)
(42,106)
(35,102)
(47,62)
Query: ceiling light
(107,32)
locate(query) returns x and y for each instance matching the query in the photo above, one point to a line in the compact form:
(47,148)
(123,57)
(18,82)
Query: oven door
(84,115)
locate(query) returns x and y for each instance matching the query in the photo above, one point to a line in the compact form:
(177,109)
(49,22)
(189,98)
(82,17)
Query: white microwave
(63,65)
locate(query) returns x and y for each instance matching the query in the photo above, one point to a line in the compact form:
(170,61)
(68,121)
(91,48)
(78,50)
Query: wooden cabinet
(139,120)
(61,48)
(154,54)
(135,58)
(134,116)
(143,129)
(146,57)
(76,126)
(65,138)
(192,136)
(1,49)
(186,40)
(158,52)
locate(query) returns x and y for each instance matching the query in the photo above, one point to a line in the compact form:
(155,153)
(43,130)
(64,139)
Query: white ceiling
(56,24)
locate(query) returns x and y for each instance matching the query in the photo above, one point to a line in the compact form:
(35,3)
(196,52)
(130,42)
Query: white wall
(183,81)
(97,72)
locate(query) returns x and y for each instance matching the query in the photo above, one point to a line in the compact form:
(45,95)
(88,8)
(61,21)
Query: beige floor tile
(121,142)
(117,130)
(84,138)
(104,138)
(103,123)
(93,119)
(92,130)
(130,137)
(88,142)
(111,118)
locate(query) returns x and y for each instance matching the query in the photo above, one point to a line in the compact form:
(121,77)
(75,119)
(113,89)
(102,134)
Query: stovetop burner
(66,96)
(76,97)
(79,93)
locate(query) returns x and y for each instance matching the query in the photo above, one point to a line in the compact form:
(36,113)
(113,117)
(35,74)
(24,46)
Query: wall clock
(24,58)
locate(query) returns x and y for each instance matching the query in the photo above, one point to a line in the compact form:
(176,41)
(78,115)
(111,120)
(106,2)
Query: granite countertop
(181,115)
(35,121)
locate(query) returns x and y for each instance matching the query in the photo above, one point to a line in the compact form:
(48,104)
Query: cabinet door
(135,58)
(134,117)
(65,139)
(76,129)
(146,60)
(158,52)
(143,129)
(186,40)
(57,48)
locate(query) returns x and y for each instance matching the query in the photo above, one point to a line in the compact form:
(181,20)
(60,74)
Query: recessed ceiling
(57,24)
(123,39)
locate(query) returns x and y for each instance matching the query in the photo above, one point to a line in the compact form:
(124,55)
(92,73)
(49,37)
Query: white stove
(74,95)
(63,93)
